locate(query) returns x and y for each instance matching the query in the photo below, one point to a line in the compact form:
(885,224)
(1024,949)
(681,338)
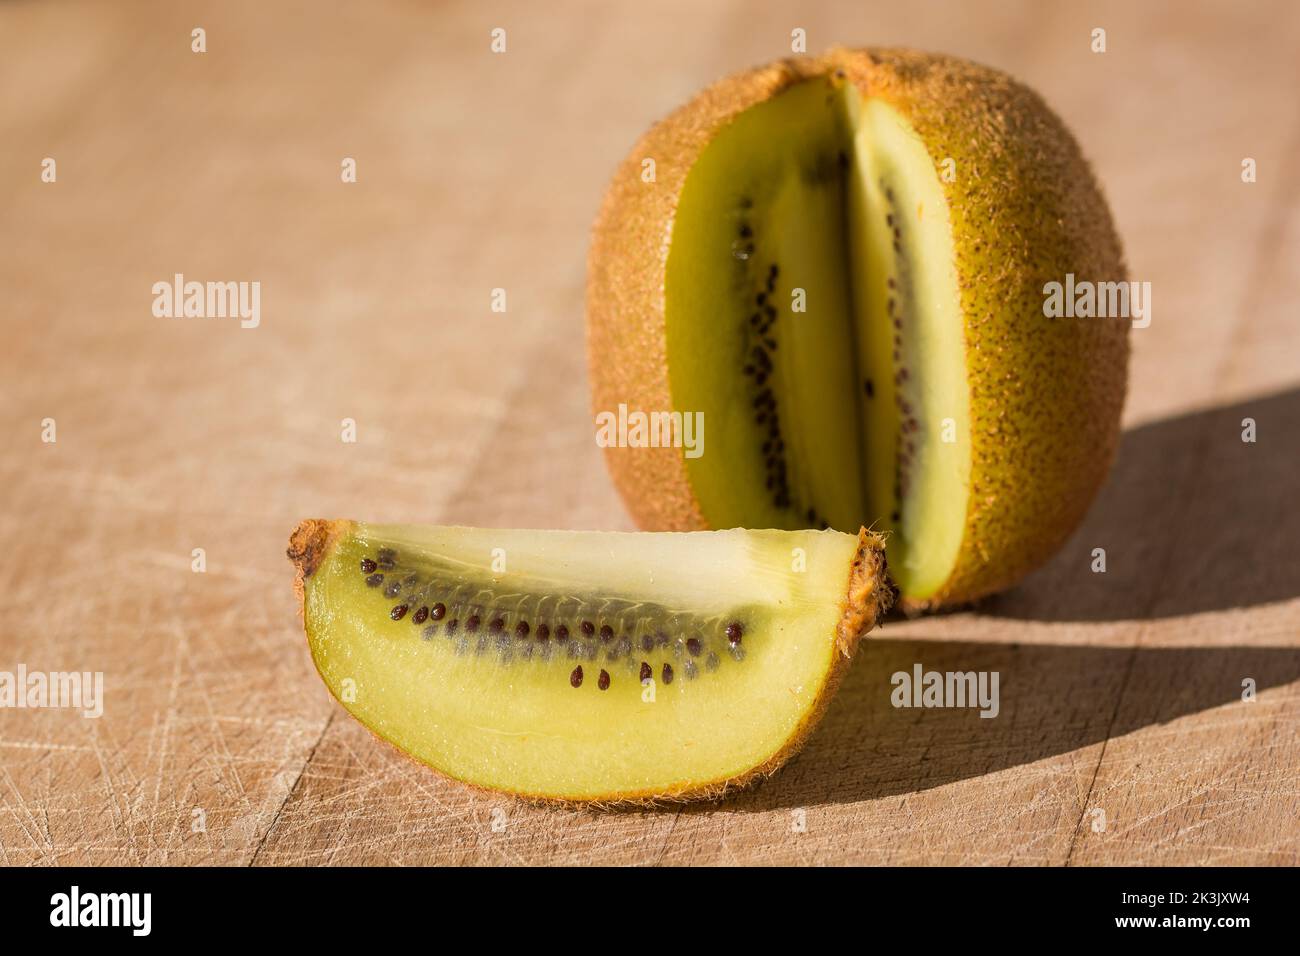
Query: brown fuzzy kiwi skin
(1045,394)
(867,599)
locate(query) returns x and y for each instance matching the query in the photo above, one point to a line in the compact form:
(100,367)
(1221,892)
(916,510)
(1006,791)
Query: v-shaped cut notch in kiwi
(813,315)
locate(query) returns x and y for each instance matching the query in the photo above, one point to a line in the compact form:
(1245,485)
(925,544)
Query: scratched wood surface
(1121,692)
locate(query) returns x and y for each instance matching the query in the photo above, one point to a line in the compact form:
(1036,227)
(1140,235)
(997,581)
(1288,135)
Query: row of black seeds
(905,450)
(386,558)
(761,342)
(647,673)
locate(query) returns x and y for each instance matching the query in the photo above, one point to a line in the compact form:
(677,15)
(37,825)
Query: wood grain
(1121,691)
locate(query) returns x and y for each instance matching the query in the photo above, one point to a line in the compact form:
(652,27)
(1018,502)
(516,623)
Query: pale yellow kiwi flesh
(720,651)
(813,315)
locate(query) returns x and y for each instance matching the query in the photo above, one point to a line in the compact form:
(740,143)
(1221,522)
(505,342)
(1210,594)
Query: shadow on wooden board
(1053,699)
(1192,519)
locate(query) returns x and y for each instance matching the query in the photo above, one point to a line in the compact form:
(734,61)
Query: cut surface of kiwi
(812,312)
(586,666)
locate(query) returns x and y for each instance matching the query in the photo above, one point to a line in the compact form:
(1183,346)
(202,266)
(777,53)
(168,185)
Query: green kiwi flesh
(585,666)
(813,316)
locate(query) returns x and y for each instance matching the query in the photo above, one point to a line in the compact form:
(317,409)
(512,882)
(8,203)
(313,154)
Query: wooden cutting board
(1123,736)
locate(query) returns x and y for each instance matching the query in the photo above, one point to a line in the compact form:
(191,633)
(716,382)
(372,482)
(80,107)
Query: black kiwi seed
(386,554)
(735,631)
(521,629)
(562,633)
(895,517)
(871,389)
(668,673)
(438,611)
(647,672)
(451,626)
(420,616)
(575,679)
(693,645)
(603,681)
(472,623)
(398,612)
(543,632)
(374,580)
(588,628)
(761,298)
(606,632)
(773,271)
(367,566)
(745,231)
(497,624)
(647,642)
(391,589)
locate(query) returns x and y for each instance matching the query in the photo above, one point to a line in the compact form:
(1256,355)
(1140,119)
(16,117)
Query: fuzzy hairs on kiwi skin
(1045,395)
(330,548)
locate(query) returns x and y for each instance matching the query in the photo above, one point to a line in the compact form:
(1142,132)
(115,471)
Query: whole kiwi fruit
(839,264)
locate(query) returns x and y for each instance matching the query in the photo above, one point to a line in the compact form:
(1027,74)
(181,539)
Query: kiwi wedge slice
(587,666)
(841,267)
